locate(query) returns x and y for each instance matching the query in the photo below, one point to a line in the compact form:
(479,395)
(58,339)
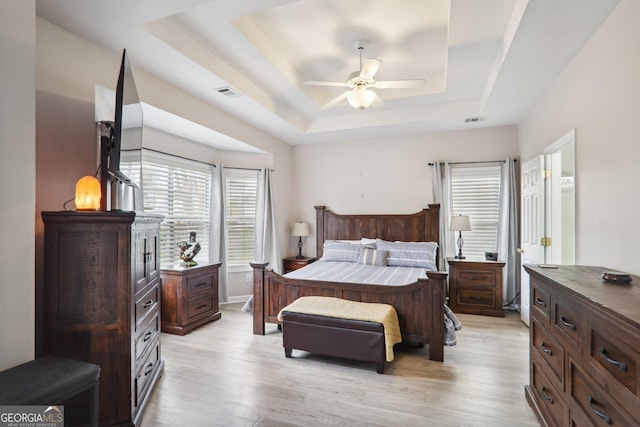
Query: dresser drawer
(479,278)
(146,372)
(593,401)
(146,335)
(540,302)
(147,305)
(546,393)
(201,306)
(199,284)
(614,358)
(569,322)
(548,348)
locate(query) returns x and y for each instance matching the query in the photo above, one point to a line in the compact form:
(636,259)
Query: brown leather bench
(331,336)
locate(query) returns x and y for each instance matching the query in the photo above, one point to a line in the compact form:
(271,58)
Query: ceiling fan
(360,83)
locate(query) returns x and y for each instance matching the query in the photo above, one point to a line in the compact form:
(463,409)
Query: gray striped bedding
(354,272)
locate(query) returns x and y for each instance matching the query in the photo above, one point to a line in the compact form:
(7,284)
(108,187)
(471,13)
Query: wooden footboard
(420,305)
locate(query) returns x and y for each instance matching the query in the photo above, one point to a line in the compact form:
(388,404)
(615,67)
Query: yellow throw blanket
(346,309)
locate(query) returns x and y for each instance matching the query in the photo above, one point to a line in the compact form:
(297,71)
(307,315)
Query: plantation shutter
(178,189)
(475,191)
(240,216)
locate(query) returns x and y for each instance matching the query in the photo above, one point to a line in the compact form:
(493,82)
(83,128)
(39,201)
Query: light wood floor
(223,375)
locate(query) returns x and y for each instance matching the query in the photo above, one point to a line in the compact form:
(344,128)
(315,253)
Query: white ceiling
(486,59)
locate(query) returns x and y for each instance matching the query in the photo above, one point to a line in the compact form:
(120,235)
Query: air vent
(475,119)
(228,92)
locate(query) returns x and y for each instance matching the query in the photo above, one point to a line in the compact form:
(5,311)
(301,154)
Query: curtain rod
(175,155)
(471,163)
(248,169)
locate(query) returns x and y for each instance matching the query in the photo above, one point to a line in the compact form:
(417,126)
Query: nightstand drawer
(476,297)
(476,278)
(293,263)
(201,283)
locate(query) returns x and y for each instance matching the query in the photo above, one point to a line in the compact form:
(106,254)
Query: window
(178,189)
(475,191)
(240,217)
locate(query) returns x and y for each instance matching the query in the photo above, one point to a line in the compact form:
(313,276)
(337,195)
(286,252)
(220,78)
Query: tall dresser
(102,302)
(584,348)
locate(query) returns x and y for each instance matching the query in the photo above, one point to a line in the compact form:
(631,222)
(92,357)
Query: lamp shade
(460,223)
(300,229)
(361,97)
(88,194)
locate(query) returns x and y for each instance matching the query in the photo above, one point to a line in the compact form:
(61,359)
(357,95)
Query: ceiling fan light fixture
(361,97)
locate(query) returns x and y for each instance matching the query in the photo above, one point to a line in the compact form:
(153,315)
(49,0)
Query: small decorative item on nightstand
(189,250)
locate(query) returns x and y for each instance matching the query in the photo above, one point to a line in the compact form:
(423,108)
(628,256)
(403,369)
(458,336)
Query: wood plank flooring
(223,375)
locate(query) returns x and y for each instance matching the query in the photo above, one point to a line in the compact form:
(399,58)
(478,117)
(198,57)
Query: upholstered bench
(50,380)
(341,328)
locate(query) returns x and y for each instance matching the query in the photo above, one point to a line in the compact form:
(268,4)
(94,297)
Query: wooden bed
(420,305)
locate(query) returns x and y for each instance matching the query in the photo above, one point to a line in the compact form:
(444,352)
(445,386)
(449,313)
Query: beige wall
(597,94)
(383,176)
(17,175)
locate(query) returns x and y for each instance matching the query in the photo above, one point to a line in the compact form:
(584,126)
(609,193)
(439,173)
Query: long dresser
(584,348)
(102,303)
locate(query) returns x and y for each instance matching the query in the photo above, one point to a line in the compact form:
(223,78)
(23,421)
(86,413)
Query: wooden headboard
(419,227)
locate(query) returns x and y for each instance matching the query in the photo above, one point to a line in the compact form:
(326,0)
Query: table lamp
(300,229)
(460,223)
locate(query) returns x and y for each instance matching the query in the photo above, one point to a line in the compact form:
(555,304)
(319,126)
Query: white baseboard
(524,314)
(236,299)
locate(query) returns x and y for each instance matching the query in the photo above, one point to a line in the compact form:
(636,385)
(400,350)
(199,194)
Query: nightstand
(475,286)
(189,297)
(292,263)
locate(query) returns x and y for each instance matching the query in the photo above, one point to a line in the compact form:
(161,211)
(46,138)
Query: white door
(532,224)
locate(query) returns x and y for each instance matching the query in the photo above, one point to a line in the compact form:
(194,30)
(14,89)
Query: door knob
(520,250)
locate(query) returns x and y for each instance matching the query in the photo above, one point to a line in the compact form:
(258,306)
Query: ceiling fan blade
(378,102)
(400,84)
(337,100)
(324,83)
(370,67)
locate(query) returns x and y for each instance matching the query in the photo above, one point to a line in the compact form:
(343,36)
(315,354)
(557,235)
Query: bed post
(437,291)
(319,230)
(258,297)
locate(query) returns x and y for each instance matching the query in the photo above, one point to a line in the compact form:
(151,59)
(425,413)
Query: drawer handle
(568,324)
(540,302)
(149,369)
(200,307)
(472,278)
(601,414)
(604,355)
(147,336)
(546,395)
(148,304)
(546,349)
(201,284)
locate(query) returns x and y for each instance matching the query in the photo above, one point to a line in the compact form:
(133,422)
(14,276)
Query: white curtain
(509,232)
(266,243)
(441,194)
(217,236)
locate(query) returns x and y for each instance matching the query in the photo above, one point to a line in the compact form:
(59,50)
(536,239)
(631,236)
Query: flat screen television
(124,138)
